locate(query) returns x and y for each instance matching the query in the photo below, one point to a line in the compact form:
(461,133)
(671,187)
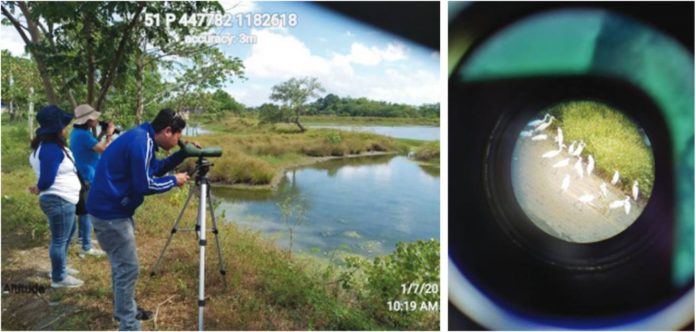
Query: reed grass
(612,138)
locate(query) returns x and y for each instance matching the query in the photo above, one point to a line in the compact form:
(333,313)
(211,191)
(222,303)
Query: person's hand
(110,128)
(181,178)
(34,190)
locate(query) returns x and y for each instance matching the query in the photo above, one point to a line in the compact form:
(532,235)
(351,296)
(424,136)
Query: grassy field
(428,152)
(344,120)
(267,288)
(255,154)
(363,120)
(612,138)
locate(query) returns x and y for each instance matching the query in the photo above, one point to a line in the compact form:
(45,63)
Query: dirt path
(537,186)
(45,308)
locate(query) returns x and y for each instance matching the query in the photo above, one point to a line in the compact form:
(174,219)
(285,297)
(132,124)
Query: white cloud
(282,56)
(279,56)
(394,52)
(372,56)
(363,55)
(235,6)
(10,40)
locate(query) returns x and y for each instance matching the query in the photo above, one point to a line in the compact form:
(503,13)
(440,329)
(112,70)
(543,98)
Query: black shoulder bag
(81,207)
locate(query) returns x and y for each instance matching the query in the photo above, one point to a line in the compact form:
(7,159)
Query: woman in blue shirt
(86,148)
(58,188)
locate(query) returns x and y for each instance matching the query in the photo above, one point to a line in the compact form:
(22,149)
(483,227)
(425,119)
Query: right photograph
(571,158)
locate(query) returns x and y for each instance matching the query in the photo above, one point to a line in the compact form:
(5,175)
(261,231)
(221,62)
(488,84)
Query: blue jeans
(61,220)
(117,239)
(85,231)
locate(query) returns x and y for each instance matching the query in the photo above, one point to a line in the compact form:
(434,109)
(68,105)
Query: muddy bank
(537,186)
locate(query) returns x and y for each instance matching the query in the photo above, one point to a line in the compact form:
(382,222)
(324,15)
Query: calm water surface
(360,205)
(424,133)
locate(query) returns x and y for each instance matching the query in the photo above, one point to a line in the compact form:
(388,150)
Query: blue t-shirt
(82,144)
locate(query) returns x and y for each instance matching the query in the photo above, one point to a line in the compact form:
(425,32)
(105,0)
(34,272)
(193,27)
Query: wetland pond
(359,205)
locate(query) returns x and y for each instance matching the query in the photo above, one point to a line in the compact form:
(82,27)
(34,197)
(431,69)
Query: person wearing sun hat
(58,188)
(87,149)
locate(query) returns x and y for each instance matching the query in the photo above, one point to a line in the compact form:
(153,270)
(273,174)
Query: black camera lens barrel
(104,125)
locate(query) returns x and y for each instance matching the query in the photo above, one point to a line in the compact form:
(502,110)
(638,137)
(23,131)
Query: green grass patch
(428,152)
(222,123)
(254,153)
(267,289)
(612,139)
(364,120)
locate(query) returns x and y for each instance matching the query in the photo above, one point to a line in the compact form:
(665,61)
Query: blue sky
(348,57)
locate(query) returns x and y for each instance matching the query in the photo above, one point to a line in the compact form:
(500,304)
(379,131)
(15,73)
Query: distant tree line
(332,104)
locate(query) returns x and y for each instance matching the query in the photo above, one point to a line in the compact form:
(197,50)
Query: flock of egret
(575,151)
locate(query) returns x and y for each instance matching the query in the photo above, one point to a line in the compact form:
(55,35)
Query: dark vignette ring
(539,274)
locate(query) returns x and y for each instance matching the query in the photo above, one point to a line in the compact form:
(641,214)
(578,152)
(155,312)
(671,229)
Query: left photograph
(221,165)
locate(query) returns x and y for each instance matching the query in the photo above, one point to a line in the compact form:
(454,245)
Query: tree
(295,93)
(18,76)
(85,48)
(225,103)
(271,113)
(210,69)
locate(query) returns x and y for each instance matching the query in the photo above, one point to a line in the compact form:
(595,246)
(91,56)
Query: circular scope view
(582,171)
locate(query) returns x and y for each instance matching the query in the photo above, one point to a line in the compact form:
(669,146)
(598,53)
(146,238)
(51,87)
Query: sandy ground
(537,186)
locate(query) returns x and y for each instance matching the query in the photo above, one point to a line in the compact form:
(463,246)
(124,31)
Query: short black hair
(168,118)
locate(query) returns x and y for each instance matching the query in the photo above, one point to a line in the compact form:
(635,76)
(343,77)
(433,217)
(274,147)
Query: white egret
(540,137)
(587,199)
(617,204)
(627,206)
(615,178)
(545,125)
(562,163)
(571,148)
(590,165)
(537,122)
(526,134)
(603,188)
(635,190)
(566,183)
(626,203)
(578,167)
(559,136)
(578,151)
(552,153)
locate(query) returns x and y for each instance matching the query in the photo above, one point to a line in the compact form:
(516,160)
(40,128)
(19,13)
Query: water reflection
(361,205)
(423,133)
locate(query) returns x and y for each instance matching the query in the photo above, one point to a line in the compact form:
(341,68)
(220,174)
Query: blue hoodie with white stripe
(127,171)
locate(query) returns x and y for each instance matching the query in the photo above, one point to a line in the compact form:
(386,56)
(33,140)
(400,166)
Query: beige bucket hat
(85,112)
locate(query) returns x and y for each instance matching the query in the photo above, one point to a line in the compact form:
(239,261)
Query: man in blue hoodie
(127,171)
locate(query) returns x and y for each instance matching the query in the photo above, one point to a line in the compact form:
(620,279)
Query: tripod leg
(201,244)
(174,229)
(221,263)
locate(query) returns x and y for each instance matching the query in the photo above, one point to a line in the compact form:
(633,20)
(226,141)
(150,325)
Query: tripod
(202,168)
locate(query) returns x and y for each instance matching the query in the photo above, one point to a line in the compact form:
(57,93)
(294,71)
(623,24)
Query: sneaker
(69,270)
(68,282)
(92,252)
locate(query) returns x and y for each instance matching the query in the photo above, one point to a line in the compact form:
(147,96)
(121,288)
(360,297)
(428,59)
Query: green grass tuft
(612,139)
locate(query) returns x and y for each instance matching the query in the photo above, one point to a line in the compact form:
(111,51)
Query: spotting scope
(193,151)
